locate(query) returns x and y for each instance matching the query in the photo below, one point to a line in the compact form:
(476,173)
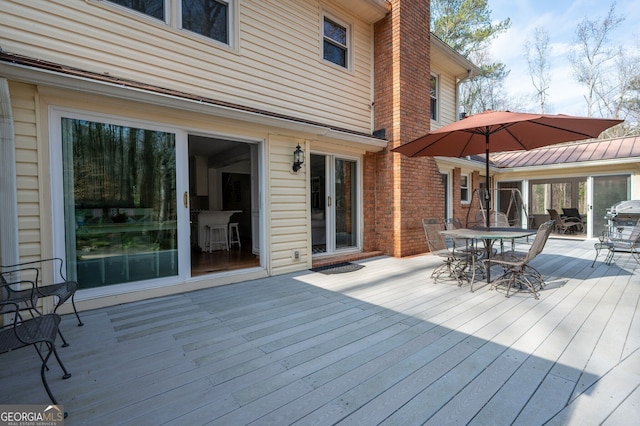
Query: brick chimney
(401,191)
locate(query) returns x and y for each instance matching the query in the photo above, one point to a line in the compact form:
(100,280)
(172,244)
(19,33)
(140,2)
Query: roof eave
(465,64)
(589,163)
(34,75)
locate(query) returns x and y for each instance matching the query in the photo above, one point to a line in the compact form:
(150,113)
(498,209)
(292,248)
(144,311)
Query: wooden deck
(381,345)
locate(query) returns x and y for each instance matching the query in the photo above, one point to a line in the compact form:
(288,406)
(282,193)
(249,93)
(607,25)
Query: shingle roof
(573,152)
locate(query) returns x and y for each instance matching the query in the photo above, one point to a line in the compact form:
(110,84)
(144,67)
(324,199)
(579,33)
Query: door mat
(338,268)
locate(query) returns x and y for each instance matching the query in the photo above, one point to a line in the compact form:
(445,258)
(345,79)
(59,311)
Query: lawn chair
(454,263)
(464,248)
(616,244)
(517,271)
(497,219)
(62,291)
(573,215)
(564,226)
(39,331)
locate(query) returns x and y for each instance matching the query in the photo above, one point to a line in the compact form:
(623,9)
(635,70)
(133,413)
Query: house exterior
(131,130)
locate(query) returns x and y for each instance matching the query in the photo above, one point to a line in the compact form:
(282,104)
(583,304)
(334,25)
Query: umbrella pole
(487,197)
(487,194)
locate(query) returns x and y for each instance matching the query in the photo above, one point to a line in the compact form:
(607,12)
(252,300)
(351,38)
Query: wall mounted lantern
(298,158)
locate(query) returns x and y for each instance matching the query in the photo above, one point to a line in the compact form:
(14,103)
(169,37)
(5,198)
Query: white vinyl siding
(446,97)
(276,65)
(30,235)
(288,209)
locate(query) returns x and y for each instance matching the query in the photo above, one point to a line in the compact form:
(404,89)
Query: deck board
(382,345)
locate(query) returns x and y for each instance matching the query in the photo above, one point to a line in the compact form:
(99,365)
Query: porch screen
(119,203)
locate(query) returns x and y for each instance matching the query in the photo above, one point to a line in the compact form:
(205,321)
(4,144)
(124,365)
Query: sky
(559,18)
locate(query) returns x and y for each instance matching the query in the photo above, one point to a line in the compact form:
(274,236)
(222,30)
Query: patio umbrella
(498,131)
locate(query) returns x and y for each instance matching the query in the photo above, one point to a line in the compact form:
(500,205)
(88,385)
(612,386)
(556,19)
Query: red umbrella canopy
(497,131)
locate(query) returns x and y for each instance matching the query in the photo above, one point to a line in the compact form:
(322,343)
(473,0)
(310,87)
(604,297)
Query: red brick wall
(401,191)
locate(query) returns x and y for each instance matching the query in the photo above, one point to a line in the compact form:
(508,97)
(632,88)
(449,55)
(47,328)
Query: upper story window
(153,8)
(335,42)
(434,97)
(208,18)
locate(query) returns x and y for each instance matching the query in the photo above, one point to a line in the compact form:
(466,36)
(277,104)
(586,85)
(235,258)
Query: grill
(622,216)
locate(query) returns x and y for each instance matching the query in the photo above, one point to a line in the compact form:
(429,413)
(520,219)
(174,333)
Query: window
(153,8)
(464,188)
(335,42)
(120,210)
(434,97)
(208,18)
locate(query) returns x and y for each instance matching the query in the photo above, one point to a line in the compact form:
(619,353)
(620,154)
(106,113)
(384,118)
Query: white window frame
(173,18)
(434,98)
(463,177)
(330,159)
(348,28)
(57,203)
(231,22)
(124,9)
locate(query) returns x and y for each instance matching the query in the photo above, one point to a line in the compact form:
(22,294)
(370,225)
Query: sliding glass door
(607,191)
(119,202)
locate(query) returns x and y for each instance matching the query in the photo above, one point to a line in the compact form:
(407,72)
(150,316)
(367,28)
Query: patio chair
(564,226)
(39,332)
(573,214)
(454,263)
(497,219)
(464,247)
(617,244)
(62,291)
(517,272)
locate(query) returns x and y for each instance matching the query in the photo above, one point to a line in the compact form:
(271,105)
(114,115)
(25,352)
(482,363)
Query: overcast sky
(559,18)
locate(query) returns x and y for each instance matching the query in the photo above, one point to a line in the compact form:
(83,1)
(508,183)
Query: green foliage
(465,25)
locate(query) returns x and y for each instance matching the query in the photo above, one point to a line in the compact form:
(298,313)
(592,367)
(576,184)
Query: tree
(537,53)
(486,91)
(619,95)
(466,26)
(593,55)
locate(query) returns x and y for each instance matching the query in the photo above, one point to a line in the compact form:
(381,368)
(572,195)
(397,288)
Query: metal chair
(454,263)
(12,276)
(616,244)
(516,268)
(464,248)
(497,219)
(564,226)
(37,331)
(571,213)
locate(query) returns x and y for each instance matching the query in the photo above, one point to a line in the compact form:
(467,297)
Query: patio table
(488,238)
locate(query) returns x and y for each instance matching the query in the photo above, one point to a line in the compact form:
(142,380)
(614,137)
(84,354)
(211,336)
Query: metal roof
(572,152)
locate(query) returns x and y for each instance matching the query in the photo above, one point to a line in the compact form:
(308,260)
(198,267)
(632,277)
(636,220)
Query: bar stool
(234,237)
(218,235)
